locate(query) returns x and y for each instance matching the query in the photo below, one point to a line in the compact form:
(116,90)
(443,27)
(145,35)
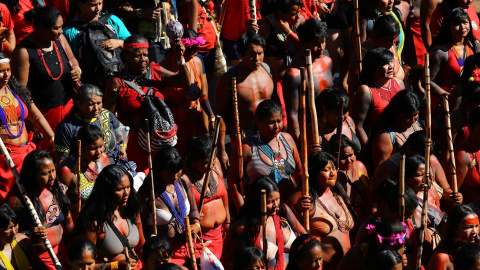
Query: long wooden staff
(427,162)
(164,16)
(253,10)
(127,259)
(264,220)
(358,42)
(152,187)
(451,158)
(190,243)
(311,99)
(28,203)
(210,163)
(401,187)
(339,130)
(158,24)
(79,174)
(238,139)
(303,143)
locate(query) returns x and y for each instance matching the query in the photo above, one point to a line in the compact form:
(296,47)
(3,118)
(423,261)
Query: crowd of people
(106,115)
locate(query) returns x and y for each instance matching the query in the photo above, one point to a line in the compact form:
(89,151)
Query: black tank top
(47,92)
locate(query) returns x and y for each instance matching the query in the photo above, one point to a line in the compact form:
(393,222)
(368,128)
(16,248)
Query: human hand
(457,198)
(222,154)
(283,26)
(322,8)
(122,153)
(195,228)
(123,264)
(75,74)
(252,25)
(334,8)
(303,203)
(40,232)
(152,13)
(178,49)
(111,44)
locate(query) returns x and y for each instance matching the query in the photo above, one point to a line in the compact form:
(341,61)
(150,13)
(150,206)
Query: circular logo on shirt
(474,26)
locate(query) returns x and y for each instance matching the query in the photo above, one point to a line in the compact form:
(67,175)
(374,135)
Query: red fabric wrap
(280,260)
(137,45)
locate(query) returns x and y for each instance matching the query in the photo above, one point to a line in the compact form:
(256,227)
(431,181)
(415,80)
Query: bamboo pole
(358,42)
(152,186)
(79,175)
(28,203)
(339,131)
(264,220)
(451,158)
(127,259)
(423,228)
(311,99)
(190,243)
(253,10)
(238,139)
(210,163)
(304,146)
(401,187)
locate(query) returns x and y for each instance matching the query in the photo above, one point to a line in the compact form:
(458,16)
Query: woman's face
(122,191)
(460,30)
(468,229)
(385,71)
(8,234)
(327,176)
(137,60)
(5,74)
(86,262)
(91,108)
(55,31)
(416,182)
(331,117)
(273,203)
(291,16)
(271,126)
(200,165)
(312,260)
(347,158)
(169,177)
(155,259)
(406,120)
(91,8)
(257,265)
(94,151)
(46,175)
(385,6)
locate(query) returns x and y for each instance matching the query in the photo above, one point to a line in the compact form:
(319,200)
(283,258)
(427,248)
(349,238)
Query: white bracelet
(79,69)
(182,62)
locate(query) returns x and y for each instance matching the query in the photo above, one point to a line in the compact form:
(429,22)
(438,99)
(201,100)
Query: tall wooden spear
(152,186)
(401,192)
(451,158)
(238,139)
(339,130)
(253,10)
(264,220)
(311,99)
(358,42)
(191,249)
(304,145)
(79,175)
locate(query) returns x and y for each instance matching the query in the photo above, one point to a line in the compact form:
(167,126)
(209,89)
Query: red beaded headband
(136,45)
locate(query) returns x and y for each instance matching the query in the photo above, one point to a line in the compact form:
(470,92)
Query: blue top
(71,33)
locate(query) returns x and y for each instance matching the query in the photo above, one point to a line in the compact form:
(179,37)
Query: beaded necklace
(343,225)
(40,54)
(8,114)
(460,59)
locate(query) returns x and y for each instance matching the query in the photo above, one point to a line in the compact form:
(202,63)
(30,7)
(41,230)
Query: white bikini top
(164,217)
(272,248)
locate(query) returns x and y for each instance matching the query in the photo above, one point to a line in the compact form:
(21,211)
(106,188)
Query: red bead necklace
(45,64)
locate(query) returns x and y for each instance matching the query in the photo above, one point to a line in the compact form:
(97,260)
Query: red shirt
(236,18)
(7,19)
(22,28)
(438,16)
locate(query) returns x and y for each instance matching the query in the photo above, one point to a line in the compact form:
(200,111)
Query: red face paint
(470,221)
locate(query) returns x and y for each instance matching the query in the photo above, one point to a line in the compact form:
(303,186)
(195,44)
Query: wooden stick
(158,24)
(264,220)
(125,250)
(104,264)
(28,203)
(238,139)
(79,175)
(311,99)
(358,42)
(339,131)
(451,158)
(164,16)
(401,187)
(304,145)
(190,243)
(423,227)
(150,168)
(210,162)
(253,10)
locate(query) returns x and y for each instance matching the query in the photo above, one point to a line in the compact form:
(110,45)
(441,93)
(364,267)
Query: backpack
(97,63)
(162,126)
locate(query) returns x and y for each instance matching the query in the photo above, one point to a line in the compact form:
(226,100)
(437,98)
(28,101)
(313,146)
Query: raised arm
(362,101)
(427,7)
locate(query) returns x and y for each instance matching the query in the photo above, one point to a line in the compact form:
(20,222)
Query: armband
(124,145)
(114,265)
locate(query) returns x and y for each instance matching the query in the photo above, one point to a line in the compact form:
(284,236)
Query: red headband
(470,221)
(137,45)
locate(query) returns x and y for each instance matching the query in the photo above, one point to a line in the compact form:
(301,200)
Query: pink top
(380,100)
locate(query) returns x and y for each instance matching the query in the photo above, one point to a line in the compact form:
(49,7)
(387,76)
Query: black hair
(416,142)
(373,59)
(403,102)
(89,134)
(7,215)
(312,30)
(384,259)
(189,33)
(31,165)
(453,17)
(168,266)
(455,216)
(285,5)
(300,246)
(412,162)
(157,243)
(331,100)
(249,38)
(250,210)
(99,206)
(247,256)
(199,147)
(332,146)
(267,108)
(80,246)
(135,38)
(386,26)
(470,92)
(46,16)
(388,193)
(474,119)
(466,256)
(19,89)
